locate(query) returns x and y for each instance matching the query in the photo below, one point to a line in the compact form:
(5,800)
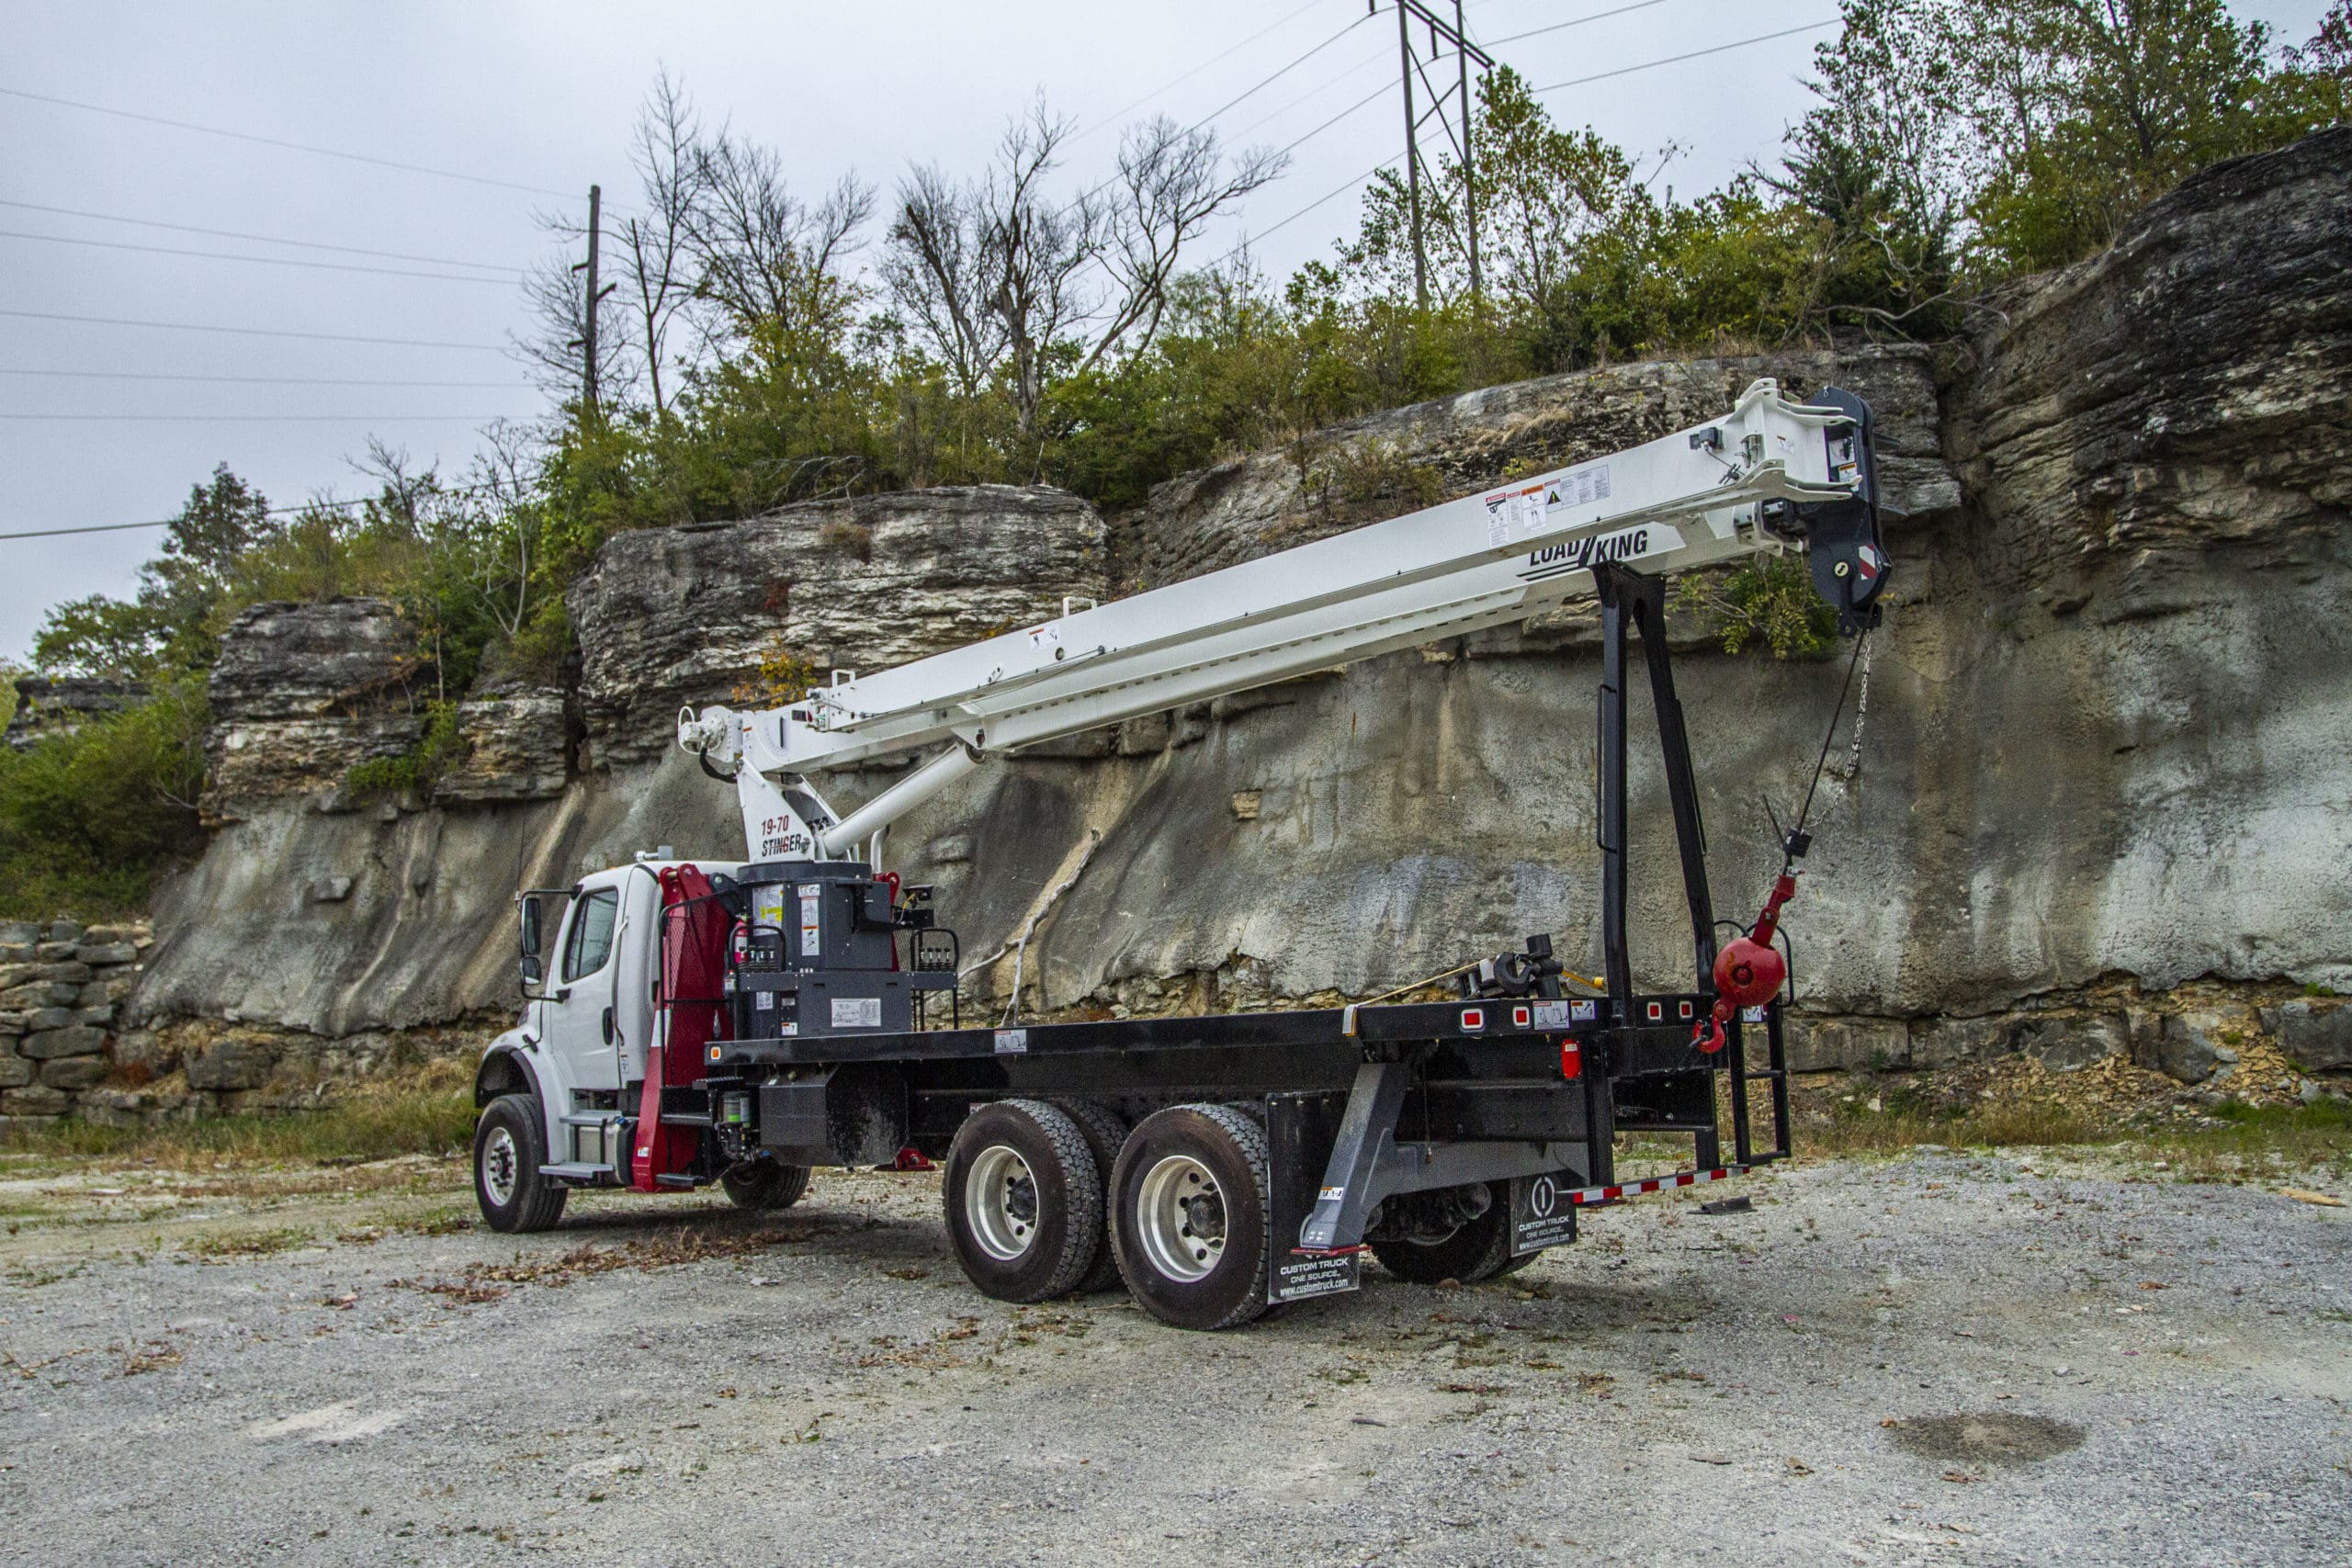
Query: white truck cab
(591,972)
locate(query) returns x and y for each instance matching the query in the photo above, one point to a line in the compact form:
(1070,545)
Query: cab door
(580,1030)
(635,970)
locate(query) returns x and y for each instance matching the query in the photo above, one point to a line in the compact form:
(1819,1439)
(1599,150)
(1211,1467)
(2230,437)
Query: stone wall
(2096,811)
(61,990)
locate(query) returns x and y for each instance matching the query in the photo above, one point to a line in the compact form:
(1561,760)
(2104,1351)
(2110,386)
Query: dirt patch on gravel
(1987,1438)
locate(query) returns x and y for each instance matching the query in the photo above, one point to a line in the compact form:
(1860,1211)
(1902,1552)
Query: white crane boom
(1772,474)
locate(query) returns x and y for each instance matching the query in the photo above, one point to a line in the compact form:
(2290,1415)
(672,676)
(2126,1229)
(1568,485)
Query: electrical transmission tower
(1409,65)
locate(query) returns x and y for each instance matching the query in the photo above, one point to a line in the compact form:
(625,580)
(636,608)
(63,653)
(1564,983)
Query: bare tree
(764,255)
(993,274)
(1033,253)
(1170,184)
(656,249)
(934,269)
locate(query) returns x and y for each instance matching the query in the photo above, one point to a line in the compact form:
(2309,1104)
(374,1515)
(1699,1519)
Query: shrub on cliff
(88,819)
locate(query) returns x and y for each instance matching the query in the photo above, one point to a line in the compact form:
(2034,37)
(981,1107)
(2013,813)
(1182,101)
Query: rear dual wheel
(1188,1216)
(1024,1200)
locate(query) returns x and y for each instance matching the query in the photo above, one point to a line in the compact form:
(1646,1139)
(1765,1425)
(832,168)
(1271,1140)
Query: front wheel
(764,1186)
(1190,1217)
(510,1145)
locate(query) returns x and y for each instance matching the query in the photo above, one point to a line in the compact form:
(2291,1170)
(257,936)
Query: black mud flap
(1300,1129)
(1540,1215)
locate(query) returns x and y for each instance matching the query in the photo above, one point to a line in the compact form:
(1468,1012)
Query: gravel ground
(1946,1359)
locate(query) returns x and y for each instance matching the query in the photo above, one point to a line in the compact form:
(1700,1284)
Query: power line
(100,528)
(289,146)
(252,331)
(1284,72)
(266,418)
(245,380)
(1378,92)
(1598,76)
(1196,125)
(315,505)
(1196,70)
(265,260)
(262,238)
(1577,22)
(1378,55)
(1694,54)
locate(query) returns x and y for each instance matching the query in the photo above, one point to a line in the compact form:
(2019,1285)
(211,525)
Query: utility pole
(586,340)
(1441,31)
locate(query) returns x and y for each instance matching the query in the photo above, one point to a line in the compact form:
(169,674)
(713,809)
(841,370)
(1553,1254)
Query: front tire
(1478,1250)
(1024,1202)
(1188,1221)
(764,1186)
(510,1145)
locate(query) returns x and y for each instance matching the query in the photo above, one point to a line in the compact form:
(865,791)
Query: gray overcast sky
(542,95)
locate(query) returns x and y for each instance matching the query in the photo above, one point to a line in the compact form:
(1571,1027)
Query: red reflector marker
(1686,1012)
(1657,1013)
(1472,1020)
(1520,1018)
(1571,1059)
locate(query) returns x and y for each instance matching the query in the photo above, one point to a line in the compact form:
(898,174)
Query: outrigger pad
(1842,539)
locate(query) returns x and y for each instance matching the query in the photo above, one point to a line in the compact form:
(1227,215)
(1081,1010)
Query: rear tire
(1105,1131)
(510,1145)
(1188,1216)
(1479,1250)
(1024,1200)
(764,1186)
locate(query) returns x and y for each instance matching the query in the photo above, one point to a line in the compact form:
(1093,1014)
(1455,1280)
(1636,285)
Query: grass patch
(2229,1142)
(2248,1139)
(1996,1126)
(424,1113)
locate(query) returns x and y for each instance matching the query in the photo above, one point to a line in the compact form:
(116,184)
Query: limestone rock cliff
(2097,804)
(301,693)
(669,616)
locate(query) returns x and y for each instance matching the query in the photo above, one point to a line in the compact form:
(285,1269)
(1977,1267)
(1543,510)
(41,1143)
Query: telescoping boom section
(1771,475)
(742,1021)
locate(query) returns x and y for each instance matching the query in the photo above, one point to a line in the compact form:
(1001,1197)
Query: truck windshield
(592,934)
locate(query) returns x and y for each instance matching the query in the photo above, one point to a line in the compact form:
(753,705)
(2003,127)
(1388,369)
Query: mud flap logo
(1540,1215)
(1300,1275)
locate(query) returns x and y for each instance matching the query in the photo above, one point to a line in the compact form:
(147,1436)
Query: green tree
(174,620)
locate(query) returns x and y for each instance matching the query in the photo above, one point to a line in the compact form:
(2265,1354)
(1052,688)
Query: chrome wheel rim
(1001,1203)
(501,1167)
(1179,1217)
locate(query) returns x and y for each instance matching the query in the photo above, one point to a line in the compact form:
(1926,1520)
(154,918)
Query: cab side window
(591,942)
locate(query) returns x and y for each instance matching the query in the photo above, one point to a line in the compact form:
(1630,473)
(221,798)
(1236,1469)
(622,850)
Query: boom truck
(740,1022)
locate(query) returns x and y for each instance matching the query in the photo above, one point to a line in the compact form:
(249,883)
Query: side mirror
(532,938)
